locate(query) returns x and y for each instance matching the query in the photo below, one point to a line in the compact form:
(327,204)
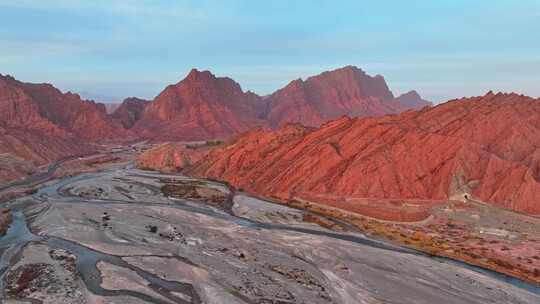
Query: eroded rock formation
(172,157)
(203,106)
(130,111)
(39,124)
(346,91)
(200,107)
(487,148)
(44,108)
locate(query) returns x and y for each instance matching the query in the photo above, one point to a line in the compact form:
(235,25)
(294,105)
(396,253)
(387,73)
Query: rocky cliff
(44,108)
(202,106)
(486,148)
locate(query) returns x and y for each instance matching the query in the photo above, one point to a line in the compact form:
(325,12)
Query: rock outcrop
(486,148)
(130,111)
(172,157)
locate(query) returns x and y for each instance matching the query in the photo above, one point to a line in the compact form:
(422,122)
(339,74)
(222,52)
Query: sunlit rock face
(485,148)
(202,106)
(345,91)
(44,108)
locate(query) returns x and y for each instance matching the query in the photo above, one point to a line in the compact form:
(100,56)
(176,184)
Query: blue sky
(443,49)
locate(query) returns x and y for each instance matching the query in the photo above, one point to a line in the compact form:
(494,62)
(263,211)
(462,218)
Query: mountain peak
(344,91)
(413,100)
(412,94)
(297,83)
(348,68)
(201,106)
(197,75)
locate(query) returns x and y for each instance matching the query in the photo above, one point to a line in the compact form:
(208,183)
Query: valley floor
(123,235)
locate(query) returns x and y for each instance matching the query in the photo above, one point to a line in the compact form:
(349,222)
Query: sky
(114,49)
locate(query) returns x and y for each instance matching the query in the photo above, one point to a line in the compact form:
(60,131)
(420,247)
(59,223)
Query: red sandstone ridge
(22,151)
(486,147)
(42,107)
(40,124)
(172,157)
(345,91)
(130,111)
(202,106)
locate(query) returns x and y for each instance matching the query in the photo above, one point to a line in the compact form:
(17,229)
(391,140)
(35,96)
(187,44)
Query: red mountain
(413,100)
(23,150)
(42,107)
(484,147)
(39,124)
(202,106)
(130,111)
(345,91)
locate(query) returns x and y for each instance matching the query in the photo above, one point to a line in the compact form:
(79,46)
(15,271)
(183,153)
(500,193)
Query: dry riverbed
(128,236)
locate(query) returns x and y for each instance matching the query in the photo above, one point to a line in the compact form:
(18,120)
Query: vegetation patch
(197,191)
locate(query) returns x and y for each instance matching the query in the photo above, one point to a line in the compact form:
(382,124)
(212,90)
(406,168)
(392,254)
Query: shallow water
(19,235)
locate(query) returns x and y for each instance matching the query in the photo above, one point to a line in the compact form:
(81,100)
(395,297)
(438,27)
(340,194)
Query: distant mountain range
(39,123)
(204,106)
